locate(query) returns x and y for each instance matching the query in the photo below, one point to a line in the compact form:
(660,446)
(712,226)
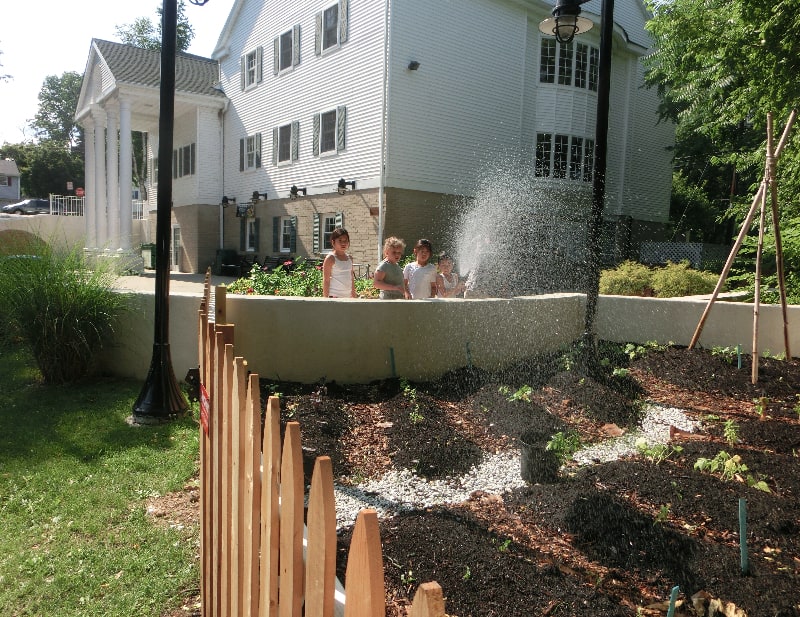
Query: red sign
(79,192)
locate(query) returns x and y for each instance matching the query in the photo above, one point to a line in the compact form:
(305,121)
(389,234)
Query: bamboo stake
(742,233)
(757,291)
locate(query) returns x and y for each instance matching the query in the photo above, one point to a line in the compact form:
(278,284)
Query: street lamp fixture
(566,21)
(294,192)
(342,185)
(564,25)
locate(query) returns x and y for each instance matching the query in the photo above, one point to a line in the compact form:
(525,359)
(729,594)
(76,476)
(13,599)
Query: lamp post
(564,25)
(161,398)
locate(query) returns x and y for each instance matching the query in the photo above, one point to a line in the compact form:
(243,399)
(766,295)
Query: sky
(39,38)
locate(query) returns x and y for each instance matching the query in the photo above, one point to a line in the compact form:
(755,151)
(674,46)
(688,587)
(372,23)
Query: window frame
(285,234)
(564,157)
(252,154)
(572,64)
(285,54)
(284,143)
(327,28)
(331,113)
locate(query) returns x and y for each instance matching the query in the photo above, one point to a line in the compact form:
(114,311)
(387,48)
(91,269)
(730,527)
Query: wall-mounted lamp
(343,184)
(227,201)
(257,196)
(413,65)
(294,191)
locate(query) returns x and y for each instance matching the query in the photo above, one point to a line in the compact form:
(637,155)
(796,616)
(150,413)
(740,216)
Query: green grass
(75,538)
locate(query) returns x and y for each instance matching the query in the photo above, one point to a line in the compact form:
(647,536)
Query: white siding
(453,117)
(350,76)
(209,162)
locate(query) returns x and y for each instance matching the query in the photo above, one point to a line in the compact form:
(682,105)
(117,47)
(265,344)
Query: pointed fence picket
(258,556)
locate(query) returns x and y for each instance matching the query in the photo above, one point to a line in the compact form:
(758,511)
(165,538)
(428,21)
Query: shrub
(628,279)
(678,279)
(60,308)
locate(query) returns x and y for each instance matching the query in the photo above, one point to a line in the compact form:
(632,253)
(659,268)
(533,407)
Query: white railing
(66,205)
(137,210)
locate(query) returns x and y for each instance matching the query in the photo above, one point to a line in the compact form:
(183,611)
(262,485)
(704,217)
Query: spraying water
(523,235)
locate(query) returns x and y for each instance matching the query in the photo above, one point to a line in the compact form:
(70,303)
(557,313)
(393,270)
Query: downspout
(221,207)
(384,129)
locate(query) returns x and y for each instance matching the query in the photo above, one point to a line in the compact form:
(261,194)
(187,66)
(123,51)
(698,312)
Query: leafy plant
(564,444)
(504,545)
(467,574)
(730,430)
(728,468)
(761,404)
(630,278)
(663,513)
(656,453)
(728,354)
(415,415)
(522,394)
(678,279)
(60,308)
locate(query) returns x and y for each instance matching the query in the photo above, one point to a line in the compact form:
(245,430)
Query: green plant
(728,354)
(564,444)
(503,547)
(630,278)
(730,430)
(796,408)
(663,513)
(467,574)
(415,415)
(522,394)
(60,308)
(728,468)
(761,404)
(678,279)
(656,453)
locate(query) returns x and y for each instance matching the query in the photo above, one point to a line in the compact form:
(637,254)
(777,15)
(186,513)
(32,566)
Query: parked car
(29,206)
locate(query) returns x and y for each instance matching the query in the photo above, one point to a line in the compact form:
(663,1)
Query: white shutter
(315,135)
(296,45)
(318,33)
(342,21)
(295,139)
(341,123)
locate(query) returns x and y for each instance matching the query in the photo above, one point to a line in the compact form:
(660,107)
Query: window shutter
(241,155)
(293,238)
(257,227)
(315,135)
(276,55)
(242,234)
(317,233)
(243,76)
(275,146)
(260,64)
(341,121)
(338,220)
(342,21)
(175,161)
(295,139)
(193,158)
(276,234)
(258,150)
(318,33)
(296,45)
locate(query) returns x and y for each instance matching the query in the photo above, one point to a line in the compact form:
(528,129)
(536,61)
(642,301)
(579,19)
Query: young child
(388,275)
(338,279)
(419,276)
(447,283)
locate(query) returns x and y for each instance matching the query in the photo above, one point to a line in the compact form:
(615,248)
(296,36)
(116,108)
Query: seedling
(564,444)
(729,467)
(467,574)
(523,394)
(761,406)
(657,453)
(663,513)
(504,545)
(731,432)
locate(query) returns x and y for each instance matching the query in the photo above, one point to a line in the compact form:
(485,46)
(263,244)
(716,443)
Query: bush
(680,280)
(59,308)
(628,279)
(299,278)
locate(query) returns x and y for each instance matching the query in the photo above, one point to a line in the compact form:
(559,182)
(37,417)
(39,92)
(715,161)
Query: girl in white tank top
(338,280)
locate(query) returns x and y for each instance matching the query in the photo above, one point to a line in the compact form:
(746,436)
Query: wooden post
(321,541)
(270,522)
(252,483)
(290,585)
(364,585)
(757,282)
(428,601)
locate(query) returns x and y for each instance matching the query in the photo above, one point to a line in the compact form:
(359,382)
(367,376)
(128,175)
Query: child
(419,276)
(447,283)
(388,275)
(338,278)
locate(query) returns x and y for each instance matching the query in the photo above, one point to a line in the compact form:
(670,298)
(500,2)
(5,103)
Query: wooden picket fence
(258,557)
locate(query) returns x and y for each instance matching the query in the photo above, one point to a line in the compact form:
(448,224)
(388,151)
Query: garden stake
(739,356)
(469,355)
(391,359)
(743,537)
(673,596)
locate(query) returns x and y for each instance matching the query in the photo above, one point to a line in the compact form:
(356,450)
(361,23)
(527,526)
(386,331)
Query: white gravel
(401,490)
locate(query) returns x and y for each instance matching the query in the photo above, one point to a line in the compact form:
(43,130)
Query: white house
(9,182)
(406,105)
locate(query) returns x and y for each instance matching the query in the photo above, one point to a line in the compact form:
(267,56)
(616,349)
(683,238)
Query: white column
(112,163)
(101,199)
(89,172)
(125,188)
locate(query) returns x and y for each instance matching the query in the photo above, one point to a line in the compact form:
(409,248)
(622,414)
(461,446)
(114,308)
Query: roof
(142,67)
(8,167)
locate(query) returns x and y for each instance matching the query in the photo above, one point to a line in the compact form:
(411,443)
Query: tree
(58,100)
(147,35)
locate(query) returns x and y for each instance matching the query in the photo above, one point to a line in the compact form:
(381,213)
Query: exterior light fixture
(227,201)
(257,196)
(413,65)
(343,184)
(566,21)
(294,191)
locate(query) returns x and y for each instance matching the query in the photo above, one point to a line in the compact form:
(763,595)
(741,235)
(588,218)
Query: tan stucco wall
(308,339)
(60,232)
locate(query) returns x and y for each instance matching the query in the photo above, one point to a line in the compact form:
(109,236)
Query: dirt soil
(602,540)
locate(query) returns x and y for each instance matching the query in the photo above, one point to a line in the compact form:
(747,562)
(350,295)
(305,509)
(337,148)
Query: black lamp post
(564,25)
(161,398)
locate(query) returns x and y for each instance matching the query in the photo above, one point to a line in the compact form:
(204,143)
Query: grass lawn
(75,537)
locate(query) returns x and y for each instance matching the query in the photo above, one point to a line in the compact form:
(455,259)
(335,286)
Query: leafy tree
(49,167)
(147,35)
(58,100)
(720,66)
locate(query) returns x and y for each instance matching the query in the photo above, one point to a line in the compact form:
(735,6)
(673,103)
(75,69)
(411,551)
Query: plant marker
(745,566)
(673,597)
(391,359)
(738,356)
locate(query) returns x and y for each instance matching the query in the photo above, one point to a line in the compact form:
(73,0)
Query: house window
(285,143)
(328,225)
(574,63)
(284,234)
(251,235)
(250,152)
(331,27)
(154,167)
(564,156)
(183,161)
(285,55)
(329,131)
(251,68)
(287,50)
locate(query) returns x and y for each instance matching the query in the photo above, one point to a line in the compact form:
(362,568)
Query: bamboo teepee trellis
(769,183)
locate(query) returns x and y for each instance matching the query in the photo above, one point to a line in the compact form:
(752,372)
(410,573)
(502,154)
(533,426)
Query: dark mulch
(610,539)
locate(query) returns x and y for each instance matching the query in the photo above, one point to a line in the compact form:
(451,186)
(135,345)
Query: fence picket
(270,522)
(290,593)
(363,585)
(252,487)
(428,601)
(321,541)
